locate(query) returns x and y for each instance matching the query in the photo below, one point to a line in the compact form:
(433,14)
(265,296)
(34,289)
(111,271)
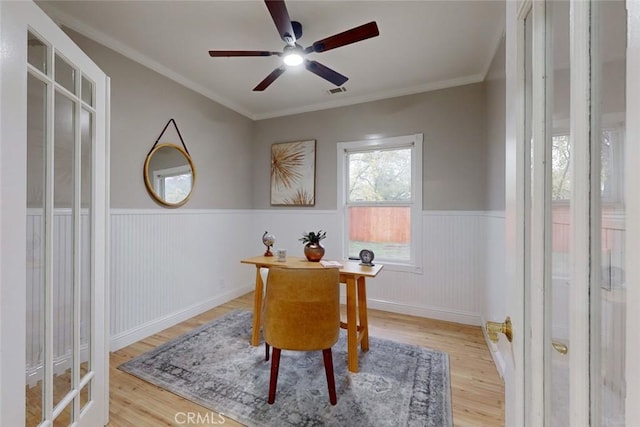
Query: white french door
(58,374)
(572,136)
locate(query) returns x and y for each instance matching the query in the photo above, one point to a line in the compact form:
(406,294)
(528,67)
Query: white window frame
(414,265)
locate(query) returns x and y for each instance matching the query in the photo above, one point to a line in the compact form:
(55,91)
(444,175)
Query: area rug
(216,367)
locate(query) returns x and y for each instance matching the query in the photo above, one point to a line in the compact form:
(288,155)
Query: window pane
(609,112)
(62,283)
(612,163)
(386,230)
(176,188)
(86,173)
(559,319)
(36,52)
(380,175)
(560,162)
(87,91)
(35,287)
(65,74)
(611,159)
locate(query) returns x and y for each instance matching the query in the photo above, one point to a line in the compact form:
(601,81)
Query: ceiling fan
(293,54)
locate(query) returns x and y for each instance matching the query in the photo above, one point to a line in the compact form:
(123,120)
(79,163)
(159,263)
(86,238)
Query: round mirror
(169,175)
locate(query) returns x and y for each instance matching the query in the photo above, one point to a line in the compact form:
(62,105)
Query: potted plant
(313,249)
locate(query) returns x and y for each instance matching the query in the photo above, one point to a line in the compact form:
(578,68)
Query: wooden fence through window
(385,224)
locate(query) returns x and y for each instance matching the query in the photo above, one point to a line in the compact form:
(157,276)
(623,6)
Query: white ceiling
(423,45)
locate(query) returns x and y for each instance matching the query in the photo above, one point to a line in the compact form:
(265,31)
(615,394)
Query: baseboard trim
(437,313)
(140,332)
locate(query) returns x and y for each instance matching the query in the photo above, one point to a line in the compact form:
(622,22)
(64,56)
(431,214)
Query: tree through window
(612,166)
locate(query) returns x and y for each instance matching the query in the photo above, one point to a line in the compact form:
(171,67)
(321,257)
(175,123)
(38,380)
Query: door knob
(494,328)
(560,348)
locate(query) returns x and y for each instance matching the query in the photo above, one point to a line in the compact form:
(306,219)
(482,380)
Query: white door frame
(582,212)
(515,205)
(633,213)
(515,181)
(13,87)
(15,20)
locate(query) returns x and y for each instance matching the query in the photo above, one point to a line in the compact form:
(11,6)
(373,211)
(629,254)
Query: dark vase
(314,251)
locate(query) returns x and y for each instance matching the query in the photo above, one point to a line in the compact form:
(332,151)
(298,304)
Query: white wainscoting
(167,266)
(62,291)
(456,262)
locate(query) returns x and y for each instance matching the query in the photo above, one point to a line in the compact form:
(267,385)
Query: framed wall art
(293,173)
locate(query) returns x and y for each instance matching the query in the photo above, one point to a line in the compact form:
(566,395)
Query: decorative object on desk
(293,173)
(268,239)
(215,366)
(313,249)
(366,257)
(282,255)
(331,264)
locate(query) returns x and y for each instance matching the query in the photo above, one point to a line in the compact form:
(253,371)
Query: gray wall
(232,153)
(495,84)
(142,101)
(452,121)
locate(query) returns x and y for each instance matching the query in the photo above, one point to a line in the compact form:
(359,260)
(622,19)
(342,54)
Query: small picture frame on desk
(366,258)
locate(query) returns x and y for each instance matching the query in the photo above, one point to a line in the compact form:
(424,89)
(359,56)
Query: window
(612,166)
(380,198)
(173,184)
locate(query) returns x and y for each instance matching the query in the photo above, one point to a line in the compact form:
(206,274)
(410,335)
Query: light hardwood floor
(476,388)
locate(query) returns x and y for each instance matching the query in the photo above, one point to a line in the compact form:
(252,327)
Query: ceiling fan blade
(280,16)
(325,72)
(269,79)
(228,53)
(353,35)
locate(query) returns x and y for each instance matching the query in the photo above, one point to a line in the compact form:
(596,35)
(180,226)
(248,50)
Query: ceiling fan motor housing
(297,29)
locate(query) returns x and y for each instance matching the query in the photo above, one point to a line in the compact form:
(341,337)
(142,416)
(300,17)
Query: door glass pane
(62,245)
(560,202)
(609,114)
(87,91)
(37,52)
(36,155)
(64,419)
(86,138)
(85,396)
(65,74)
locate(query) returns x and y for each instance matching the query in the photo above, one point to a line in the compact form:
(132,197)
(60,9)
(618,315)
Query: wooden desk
(352,274)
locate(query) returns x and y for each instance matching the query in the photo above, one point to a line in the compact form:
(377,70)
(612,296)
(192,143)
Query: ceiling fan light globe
(293,59)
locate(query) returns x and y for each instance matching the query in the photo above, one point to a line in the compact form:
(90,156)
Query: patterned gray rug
(216,367)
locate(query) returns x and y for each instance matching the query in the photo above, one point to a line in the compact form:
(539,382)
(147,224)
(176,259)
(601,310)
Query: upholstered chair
(302,312)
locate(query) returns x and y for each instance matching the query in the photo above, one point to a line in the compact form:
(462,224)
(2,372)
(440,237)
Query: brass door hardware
(494,328)
(560,348)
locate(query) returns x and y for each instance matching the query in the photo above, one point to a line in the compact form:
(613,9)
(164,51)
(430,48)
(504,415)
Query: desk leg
(352,327)
(362,312)
(257,309)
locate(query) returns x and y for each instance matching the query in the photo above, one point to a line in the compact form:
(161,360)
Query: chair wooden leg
(328,368)
(266,352)
(273,382)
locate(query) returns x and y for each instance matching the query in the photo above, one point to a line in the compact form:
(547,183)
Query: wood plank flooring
(477,390)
